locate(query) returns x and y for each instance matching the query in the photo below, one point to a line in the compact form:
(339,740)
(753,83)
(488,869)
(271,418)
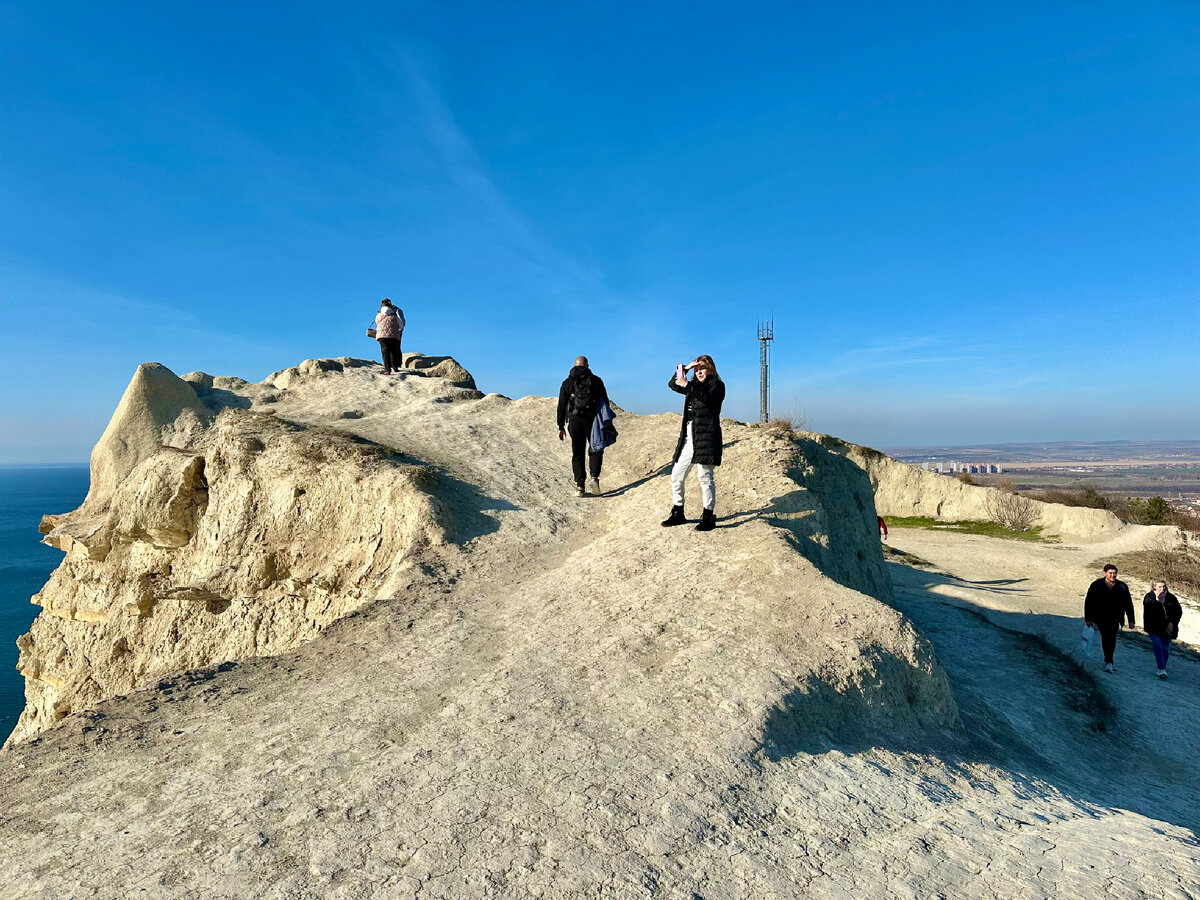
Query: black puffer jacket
(703,408)
(1155,615)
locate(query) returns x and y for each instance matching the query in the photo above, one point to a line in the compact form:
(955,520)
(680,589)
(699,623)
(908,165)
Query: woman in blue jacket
(700,440)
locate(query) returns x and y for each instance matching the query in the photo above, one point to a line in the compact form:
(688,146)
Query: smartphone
(679,371)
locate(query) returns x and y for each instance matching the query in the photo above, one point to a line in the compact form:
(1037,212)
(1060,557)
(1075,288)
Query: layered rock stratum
(336,634)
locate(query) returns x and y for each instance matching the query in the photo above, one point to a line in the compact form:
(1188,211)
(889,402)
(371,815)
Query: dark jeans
(1162,647)
(392,360)
(1108,638)
(580,430)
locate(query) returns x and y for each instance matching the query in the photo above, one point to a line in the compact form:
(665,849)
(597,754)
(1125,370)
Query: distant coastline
(45,465)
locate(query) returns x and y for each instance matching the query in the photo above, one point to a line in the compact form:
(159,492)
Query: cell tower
(766,334)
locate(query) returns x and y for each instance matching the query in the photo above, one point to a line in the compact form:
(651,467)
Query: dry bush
(1164,559)
(1010,509)
(965,478)
(1076,495)
(779,423)
(1183,519)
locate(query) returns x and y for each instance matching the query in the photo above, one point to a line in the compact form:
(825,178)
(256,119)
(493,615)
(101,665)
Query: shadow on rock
(468,512)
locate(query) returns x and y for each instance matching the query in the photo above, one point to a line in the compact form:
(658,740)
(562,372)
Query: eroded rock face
(247,541)
(158,408)
(904,490)
(234,520)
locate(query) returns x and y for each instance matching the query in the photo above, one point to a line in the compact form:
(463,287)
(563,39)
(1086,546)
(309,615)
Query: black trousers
(580,430)
(1108,638)
(392,360)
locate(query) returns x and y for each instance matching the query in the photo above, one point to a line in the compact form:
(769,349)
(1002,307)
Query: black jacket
(1106,605)
(703,408)
(1155,615)
(568,388)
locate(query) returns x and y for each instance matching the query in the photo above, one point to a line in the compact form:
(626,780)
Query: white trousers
(704,474)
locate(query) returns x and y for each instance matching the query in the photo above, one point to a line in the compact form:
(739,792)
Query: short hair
(1109,567)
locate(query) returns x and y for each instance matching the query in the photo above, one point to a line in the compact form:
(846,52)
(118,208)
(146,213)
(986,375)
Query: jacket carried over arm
(568,388)
(702,407)
(1108,606)
(604,432)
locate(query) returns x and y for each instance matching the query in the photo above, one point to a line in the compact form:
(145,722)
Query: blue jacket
(604,432)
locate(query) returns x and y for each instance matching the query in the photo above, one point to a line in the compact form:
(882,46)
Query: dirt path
(998,613)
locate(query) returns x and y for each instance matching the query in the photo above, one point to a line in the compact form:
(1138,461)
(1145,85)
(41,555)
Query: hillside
(339,635)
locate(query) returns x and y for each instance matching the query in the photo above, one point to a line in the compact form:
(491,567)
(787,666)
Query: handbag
(370,332)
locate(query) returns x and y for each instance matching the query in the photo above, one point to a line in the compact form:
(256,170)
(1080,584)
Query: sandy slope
(567,700)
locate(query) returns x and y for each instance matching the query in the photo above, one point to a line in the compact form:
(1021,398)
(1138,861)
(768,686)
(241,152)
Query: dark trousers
(392,360)
(1108,638)
(580,430)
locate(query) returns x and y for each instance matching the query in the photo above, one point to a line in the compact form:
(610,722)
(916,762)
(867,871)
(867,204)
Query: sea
(26,492)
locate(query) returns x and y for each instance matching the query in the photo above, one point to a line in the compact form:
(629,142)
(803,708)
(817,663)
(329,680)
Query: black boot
(675,518)
(708,521)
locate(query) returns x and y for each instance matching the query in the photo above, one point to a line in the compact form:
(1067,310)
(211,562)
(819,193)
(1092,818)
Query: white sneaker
(594,486)
(1162,673)
(1109,667)
(579,490)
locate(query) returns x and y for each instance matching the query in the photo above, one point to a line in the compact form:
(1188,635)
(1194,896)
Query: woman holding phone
(700,438)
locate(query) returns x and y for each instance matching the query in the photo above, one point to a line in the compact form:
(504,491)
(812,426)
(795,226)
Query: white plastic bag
(1085,643)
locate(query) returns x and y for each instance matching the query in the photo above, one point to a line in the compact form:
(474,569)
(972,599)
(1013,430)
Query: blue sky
(971,222)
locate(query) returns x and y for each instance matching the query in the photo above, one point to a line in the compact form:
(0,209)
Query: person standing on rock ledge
(700,440)
(580,394)
(1106,606)
(389,328)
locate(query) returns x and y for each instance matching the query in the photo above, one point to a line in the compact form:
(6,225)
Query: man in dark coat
(1106,607)
(580,394)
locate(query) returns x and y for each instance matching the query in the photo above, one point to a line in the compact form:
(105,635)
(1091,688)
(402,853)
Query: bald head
(581,361)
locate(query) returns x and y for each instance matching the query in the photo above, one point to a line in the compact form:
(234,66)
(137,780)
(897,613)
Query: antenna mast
(766,334)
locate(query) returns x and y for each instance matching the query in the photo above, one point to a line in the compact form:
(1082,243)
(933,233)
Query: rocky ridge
(358,639)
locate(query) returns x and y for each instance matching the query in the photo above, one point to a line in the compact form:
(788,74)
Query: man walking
(1106,606)
(578,397)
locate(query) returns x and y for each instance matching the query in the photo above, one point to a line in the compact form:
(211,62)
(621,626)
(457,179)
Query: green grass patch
(988,529)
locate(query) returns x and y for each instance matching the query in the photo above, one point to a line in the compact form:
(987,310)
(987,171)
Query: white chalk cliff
(336,634)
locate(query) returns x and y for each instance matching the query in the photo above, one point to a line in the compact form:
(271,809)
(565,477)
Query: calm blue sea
(26,492)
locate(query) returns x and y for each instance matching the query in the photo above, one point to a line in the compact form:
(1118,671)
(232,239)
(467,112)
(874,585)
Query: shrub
(1176,564)
(965,478)
(1153,511)
(1076,495)
(1184,520)
(1009,508)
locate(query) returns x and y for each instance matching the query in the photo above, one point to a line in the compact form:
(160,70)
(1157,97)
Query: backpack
(583,397)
